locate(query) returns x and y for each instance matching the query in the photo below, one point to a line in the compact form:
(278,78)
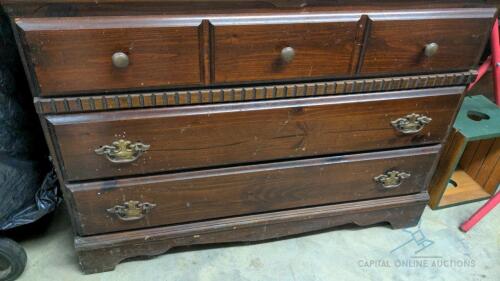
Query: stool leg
(479,214)
(495,57)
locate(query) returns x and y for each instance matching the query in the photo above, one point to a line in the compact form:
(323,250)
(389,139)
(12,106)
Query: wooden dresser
(174,123)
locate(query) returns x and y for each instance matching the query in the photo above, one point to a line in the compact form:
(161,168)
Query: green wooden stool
(469,167)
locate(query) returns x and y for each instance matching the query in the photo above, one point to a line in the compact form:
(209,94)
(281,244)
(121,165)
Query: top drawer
(426,41)
(283,47)
(71,55)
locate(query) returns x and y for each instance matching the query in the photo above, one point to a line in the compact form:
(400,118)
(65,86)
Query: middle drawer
(109,144)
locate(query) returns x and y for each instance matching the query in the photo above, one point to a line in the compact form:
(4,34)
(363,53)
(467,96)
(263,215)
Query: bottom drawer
(115,205)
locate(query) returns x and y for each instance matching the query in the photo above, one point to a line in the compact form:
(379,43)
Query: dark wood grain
(248,49)
(103,252)
(214,135)
(397,43)
(73,55)
(195,196)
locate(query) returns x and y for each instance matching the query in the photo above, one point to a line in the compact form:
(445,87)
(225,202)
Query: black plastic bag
(23,199)
(28,186)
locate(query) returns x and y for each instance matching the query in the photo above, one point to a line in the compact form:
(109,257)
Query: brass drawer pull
(411,124)
(392,179)
(131,210)
(122,151)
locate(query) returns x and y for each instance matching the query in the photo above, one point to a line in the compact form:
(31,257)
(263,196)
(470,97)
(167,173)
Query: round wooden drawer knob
(431,49)
(120,60)
(287,54)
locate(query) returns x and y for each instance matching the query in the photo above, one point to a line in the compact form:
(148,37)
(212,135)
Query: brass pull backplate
(411,123)
(131,210)
(391,179)
(122,151)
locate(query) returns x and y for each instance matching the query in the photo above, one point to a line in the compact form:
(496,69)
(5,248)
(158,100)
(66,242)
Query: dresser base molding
(103,252)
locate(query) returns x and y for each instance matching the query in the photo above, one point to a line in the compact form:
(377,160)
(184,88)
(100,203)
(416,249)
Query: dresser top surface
(55,8)
(275,2)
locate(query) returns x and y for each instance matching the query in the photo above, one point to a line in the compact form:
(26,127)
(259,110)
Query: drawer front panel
(417,43)
(178,138)
(71,55)
(258,49)
(208,194)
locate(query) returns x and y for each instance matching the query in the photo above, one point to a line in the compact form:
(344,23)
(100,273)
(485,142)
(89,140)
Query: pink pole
(481,72)
(494,61)
(479,214)
(495,57)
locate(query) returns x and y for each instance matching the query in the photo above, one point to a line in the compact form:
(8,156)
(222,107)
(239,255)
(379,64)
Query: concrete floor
(438,251)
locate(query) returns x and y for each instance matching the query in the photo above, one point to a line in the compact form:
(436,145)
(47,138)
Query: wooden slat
(468,155)
(477,161)
(489,173)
